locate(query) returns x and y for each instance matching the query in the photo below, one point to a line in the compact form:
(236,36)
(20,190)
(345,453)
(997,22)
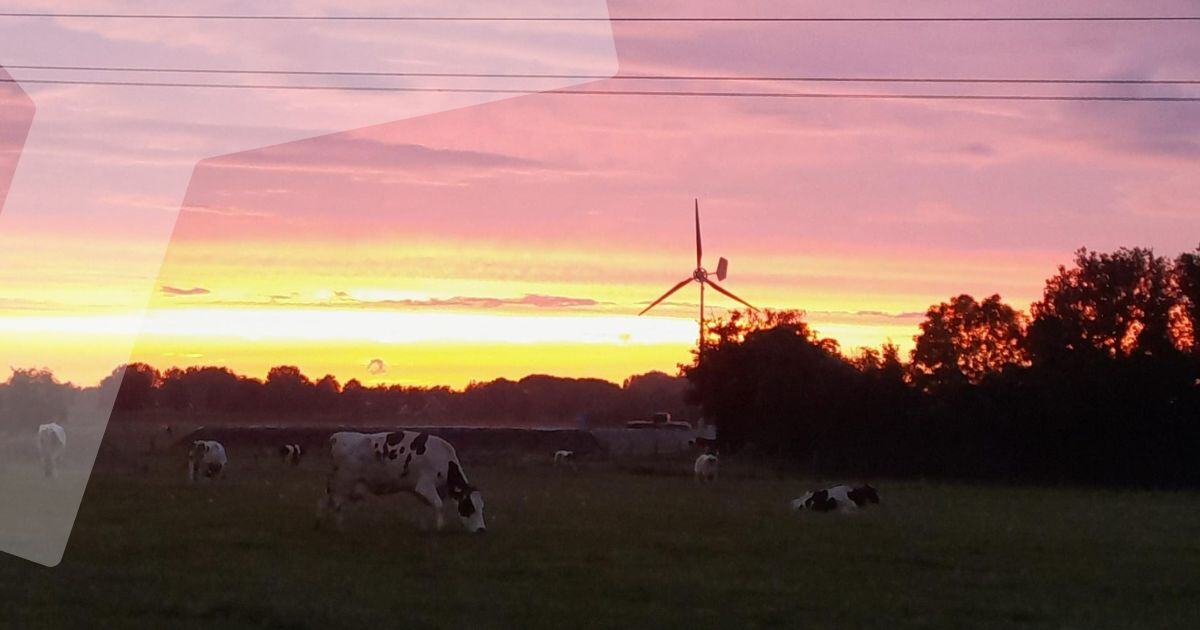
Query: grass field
(609,548)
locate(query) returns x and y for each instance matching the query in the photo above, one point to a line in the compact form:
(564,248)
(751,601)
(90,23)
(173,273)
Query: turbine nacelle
(722,269)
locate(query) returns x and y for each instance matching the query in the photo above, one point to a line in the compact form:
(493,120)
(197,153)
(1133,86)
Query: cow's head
(199,449)
(802,502)
(864,494)
(470,510)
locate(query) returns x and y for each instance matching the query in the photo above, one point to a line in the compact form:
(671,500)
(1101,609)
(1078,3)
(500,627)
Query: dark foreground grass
(605,548)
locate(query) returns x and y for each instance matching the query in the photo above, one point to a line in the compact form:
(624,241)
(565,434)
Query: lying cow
(206,459)
(706,467)
(291,454)
(401,461)
(842,498)
(51,442)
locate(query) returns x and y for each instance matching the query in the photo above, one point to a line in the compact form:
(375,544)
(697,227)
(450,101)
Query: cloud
(232,212)
(172,291)
(377,366)
(344,299)
(359,155)
(874,315)
(981,149)
(529,299)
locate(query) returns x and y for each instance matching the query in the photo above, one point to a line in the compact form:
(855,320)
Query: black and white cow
(400,461)
(842,498)
(206,459)
(291,454)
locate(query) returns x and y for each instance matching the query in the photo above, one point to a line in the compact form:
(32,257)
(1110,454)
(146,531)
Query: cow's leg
(332,503)
(338,492)
(427,490)
(325,504)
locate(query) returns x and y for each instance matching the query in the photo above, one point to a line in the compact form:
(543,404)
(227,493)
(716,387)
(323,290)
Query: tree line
(1098,382)
(138,391)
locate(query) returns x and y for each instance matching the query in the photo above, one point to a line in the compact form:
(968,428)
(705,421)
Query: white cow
(841,498)
(206,459)
(291,454)
(706,467)
(51,442)
(564,458)
(401,461)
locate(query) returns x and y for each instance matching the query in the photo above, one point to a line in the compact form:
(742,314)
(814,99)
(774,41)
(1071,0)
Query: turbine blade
(728,294)
(699,249)
(666,295)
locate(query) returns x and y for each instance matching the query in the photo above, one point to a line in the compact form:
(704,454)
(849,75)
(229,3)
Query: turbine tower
(701,277)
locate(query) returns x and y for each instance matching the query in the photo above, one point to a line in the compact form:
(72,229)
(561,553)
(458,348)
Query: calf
(291,454)
(843,498)
(401,461)
(706,467)
(206,459)
(51,442)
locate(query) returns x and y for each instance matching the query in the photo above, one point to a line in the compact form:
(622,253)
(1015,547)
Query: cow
(706,467)
(291,454)
(206,459)
(51,442)
(564,458)
(842,498)
(399,461)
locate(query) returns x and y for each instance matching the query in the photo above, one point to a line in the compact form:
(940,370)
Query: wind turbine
(700,276)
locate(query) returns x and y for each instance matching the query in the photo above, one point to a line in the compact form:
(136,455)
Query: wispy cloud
(529,299)
(360,155)
(345,299)
(174,291)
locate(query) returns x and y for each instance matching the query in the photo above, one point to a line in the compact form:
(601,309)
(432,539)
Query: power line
(674,93)
(637,77)
(464,18)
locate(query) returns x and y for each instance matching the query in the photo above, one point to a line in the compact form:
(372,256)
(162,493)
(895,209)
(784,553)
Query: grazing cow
(207,459)
(706,467)
(51,442)
(564,458)
(291,454)
(400,461)
(843,498)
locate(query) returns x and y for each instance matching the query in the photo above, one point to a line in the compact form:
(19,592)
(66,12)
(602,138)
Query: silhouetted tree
(1187,279)
(326,394)
(647,393)
(32,397)
(1114,304)
(288,389)
(963,340)
(207,388)
(135,384)
(768,380)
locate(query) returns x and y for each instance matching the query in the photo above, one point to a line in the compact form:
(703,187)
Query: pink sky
(861,212)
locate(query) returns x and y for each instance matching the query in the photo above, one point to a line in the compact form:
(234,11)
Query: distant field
(610,548)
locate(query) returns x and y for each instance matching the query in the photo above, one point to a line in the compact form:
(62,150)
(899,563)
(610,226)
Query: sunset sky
(469,240)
